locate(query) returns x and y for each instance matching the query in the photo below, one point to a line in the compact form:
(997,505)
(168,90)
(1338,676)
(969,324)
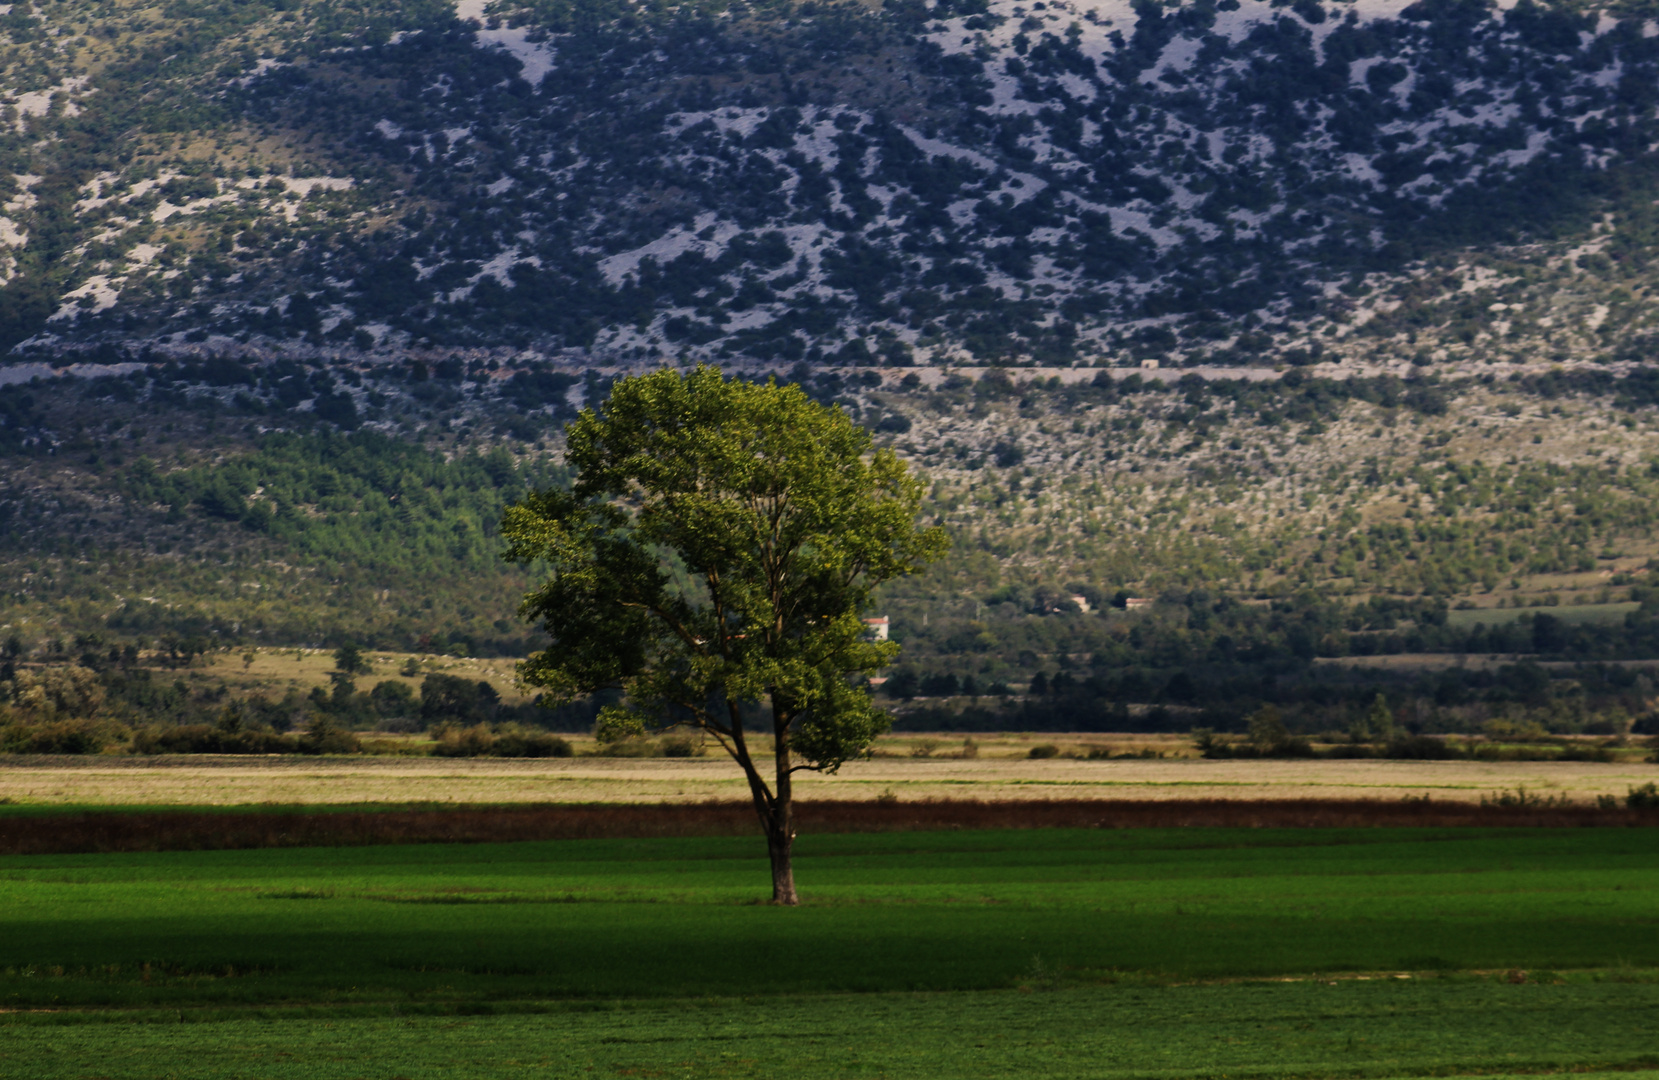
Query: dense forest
(199,528)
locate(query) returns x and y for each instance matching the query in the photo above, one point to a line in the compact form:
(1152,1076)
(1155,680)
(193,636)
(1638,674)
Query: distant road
(12,374)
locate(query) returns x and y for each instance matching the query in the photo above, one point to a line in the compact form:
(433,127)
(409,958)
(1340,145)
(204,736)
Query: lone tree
(349,660)
(712,561)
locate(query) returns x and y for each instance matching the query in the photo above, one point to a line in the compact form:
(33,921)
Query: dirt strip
(172,830)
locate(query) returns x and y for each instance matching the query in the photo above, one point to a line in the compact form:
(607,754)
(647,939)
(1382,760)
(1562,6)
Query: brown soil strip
(176,830)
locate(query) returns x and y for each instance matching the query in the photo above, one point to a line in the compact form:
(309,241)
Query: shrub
(681,746)
(1419,748)
(453,740)
(509,741)
(1045,750)
(1522,799)
(447,697)
(1645,797)
(894,424)
(516,742)
(629,748)
(940,684)
(1207,743)
(208,739)
(902,684)
(1104,753)
(51,696)
(323,736)
(1267,729)
(393,699)
(1268,738)
(58,737)
(1586,753)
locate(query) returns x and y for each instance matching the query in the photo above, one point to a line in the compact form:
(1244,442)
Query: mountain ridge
(1227,184)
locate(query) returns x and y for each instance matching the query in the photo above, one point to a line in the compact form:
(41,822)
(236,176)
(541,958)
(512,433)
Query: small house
(879,627)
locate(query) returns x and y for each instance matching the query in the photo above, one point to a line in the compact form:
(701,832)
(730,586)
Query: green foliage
(324,736)
(211,739)
(506,741)
(354,500)
(1378,722)
(117,707)
(1267,729)
(716,551)
(451,699)
(296,538)
(55,737)
(1380,538)
(391,699)
(349,660)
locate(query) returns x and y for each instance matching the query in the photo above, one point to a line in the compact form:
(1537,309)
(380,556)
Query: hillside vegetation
(339,273)
(1303,542)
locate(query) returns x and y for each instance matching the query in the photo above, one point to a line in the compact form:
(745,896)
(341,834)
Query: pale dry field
(273,672)
(229,781)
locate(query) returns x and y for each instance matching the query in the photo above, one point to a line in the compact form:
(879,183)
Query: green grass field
(1018,953)
(1259,1030)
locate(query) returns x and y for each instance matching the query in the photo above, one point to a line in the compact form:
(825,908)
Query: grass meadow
(1062,952)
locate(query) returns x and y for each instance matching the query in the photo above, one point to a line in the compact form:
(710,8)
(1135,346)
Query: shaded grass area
(452,927)
(34,830)
(1376,1029)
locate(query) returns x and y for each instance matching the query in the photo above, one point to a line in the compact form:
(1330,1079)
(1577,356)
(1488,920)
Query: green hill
(1304,541)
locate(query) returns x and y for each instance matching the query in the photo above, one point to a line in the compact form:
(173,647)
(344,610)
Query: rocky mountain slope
(1225,183)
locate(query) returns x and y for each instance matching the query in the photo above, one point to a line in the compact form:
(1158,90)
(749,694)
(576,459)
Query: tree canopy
(712,562)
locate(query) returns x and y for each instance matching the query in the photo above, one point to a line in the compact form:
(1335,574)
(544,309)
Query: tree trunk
(780,823)
(777,821)
(779,841)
